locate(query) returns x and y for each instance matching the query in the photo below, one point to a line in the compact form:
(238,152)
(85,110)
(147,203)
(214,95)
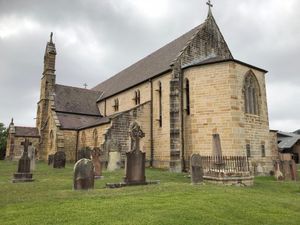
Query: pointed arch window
(95,137)
(116,105)
(159,91)
(251,94)
(187,96)
(137,97)
(83,139)
(51,138)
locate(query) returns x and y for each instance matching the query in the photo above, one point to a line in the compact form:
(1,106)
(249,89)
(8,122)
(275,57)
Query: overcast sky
(97,38)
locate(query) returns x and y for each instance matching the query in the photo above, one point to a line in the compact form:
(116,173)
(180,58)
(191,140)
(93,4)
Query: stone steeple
(50,55)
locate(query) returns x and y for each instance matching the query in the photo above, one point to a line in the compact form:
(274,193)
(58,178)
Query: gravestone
(135,159)
(23,174)
(83,175)
(196,169)
(285,170)
(114,155)
(50,159)
(59,160)
(84,153)
(96,163)
(31,155)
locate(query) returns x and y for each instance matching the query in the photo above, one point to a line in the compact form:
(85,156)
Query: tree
(3,137)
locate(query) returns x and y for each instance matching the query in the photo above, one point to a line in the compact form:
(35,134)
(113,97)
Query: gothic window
(51,138)
(248,150)
(137,97)
(187,96)
(263,151)
(116,105)
(159,91)
(83,139)
(251,94)
(95,137)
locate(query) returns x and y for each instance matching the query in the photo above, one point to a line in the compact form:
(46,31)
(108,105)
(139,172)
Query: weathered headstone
(96,163)
(112,149)
(285,170)
(135,161)
(84,153)
(50,159)
(59,160)
(196,169)
(31,155)
(83,175)
(23,174)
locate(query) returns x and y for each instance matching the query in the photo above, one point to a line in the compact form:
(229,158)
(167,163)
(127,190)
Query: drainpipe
(151,126)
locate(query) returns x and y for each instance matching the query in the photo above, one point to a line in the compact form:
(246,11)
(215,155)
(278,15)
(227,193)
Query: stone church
(182,95)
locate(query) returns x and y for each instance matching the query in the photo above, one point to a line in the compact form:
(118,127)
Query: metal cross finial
(51,35)
(209,4)
(85,85)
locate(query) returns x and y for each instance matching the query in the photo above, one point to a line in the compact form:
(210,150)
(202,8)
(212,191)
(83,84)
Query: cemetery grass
(51,200)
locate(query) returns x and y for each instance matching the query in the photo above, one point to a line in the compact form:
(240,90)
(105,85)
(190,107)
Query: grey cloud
(263,33)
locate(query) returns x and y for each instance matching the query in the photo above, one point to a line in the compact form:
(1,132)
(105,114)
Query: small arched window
(187,96)
(116,105)
(159,91)
(83,139)
(95,137)
(251,94)
(137,97)
(51,138)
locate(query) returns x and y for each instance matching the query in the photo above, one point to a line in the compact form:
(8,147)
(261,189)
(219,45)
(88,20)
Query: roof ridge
(25,127)
(195,29)
(83,89)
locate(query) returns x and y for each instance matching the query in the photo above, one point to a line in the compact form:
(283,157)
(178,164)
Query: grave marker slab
(196,169)
(96,163)
(59,160)
(83,175)
(23,174)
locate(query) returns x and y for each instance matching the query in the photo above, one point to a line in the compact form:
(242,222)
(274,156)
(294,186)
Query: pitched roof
(148,67)
(27,132)
(75,122)
(287,140)
(161,60)
(76,100)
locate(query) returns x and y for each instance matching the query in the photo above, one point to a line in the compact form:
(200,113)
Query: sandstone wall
(126,100)
(161,135)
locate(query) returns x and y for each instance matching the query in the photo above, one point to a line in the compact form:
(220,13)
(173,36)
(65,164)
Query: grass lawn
(51,200)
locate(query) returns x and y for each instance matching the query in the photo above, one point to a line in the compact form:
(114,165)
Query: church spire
(50,55)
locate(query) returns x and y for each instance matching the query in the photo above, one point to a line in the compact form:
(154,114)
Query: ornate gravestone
(50,159)
(196,169)
(135,159)
(23,174)
(59,160)
(114,155)
(31,155)
(96,163)
(83,175)
(84,153)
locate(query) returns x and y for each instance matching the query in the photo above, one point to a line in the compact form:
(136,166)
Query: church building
(185,96)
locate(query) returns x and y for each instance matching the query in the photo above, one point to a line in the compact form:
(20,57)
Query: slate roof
(76,100)
(148,67)
(26,132)
(76,122)
(287,140)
